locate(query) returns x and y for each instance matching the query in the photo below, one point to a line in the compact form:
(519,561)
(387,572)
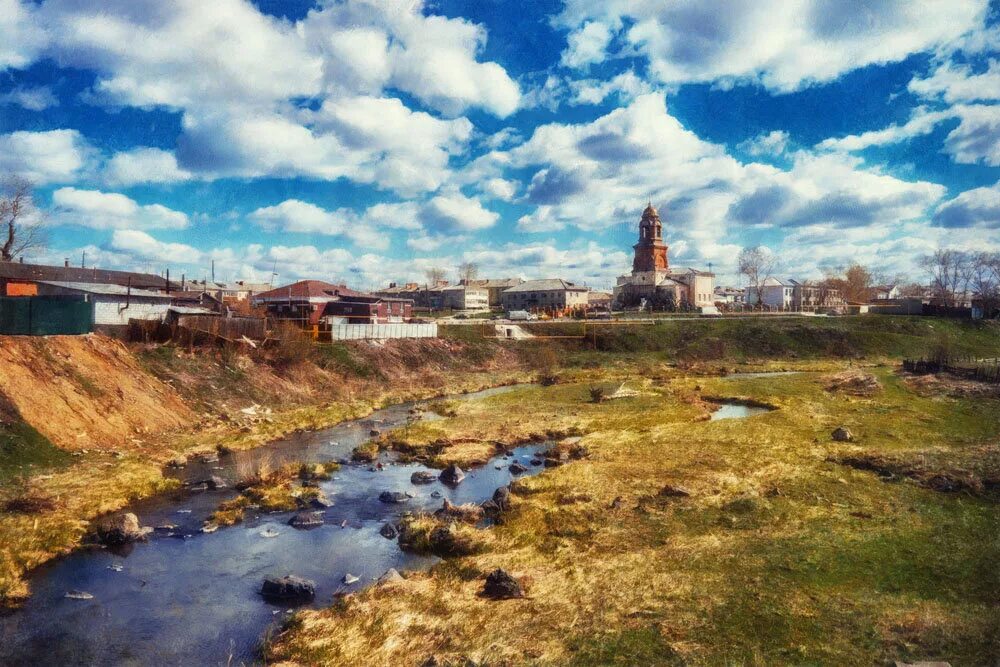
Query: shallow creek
(190,598)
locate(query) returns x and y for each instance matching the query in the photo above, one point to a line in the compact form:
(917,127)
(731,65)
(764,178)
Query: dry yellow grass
(778,556)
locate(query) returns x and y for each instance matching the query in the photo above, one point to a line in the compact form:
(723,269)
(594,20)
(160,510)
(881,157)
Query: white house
(113,304)
(775,293)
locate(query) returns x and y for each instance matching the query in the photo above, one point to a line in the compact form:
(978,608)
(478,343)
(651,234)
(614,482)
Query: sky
(366,141)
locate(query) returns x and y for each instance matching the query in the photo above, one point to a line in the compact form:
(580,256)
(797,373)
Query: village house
(599,299)
(885,292)
(653,281)
(495,287)
(791,294)
(20,279)
(552,294)
(773,293)
(367,309)
(442,296)
(237,290)
(730,295)
(303,302)
(114,305)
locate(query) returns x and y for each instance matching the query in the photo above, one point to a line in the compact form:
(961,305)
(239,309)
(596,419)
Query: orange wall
(22,289)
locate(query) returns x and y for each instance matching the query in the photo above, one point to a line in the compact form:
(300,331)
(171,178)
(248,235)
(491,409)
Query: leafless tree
(757,264)
(468,271)
(950,273)
(21,220)
(435,276)
(985,280)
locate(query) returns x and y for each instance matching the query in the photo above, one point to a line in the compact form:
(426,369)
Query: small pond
(735,410)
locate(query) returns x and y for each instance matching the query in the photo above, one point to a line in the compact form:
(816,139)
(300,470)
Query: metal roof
(40,272)
(107,290)
(545,285)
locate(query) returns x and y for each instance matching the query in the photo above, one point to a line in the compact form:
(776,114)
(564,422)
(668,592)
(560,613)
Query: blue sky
(365,141)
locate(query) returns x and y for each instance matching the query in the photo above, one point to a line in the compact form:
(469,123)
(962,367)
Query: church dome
(650,211)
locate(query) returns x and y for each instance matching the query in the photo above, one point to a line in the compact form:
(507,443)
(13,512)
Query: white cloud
(369,46)
(766,144)
(44,157)
(921,122)
(785,46)
(456,212)
(293,215)
(977,137)
(627,86)
(958,84)
(144,165)
(184,54)
(586,45)
(500,188)
(21,38)
(111,210)
(33,99)
(979,207)
(141,246)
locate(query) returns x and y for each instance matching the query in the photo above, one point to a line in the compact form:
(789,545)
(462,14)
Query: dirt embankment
(95,393)
(84,392)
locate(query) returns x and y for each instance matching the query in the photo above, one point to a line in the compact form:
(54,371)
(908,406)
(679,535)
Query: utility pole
(83,260)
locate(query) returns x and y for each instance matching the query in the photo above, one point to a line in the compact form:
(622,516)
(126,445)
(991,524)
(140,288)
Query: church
(653,283)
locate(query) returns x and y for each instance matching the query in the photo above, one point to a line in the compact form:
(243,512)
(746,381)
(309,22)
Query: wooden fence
(970,368)
(198,329)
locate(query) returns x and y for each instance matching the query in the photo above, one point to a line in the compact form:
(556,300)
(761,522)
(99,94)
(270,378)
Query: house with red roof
(307,302)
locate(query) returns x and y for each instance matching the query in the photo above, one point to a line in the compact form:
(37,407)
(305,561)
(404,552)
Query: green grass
(744,339)
(25,451)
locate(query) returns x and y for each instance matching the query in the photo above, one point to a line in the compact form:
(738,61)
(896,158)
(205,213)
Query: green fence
(45,315)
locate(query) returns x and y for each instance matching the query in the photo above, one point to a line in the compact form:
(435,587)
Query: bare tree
(950,273)
(468,271)
(757,264)
(21,220)
(435,276)
(985,281)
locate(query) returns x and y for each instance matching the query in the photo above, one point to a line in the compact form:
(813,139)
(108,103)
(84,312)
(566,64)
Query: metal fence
(381,331)
(46,316)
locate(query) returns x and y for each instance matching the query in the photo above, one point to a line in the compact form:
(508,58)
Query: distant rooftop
(38,272)
(111,290)
(307,289)
(546,284)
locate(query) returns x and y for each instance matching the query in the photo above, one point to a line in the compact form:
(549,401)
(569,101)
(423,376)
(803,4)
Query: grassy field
(780,555)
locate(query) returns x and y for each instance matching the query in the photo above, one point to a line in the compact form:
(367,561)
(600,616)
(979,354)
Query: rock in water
(391,576)
(452,475)
(306,520)
(502,498)
(517,469)
(388,531)
(842,434)
(215,483)
(500,585)
(79,595)
(393,497)
(350,579)
(423,477)
(120,530)
(288,589)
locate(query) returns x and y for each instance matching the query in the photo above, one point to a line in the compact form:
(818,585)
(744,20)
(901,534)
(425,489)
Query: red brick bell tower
(650,251)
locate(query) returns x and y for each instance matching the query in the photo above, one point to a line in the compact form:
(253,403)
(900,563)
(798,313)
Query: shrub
(596,394)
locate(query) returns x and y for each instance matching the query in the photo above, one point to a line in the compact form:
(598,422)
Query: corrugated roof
(40,272)
(544,285)
(109,290)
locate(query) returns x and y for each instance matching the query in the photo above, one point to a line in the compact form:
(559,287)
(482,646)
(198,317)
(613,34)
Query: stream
(184,597)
